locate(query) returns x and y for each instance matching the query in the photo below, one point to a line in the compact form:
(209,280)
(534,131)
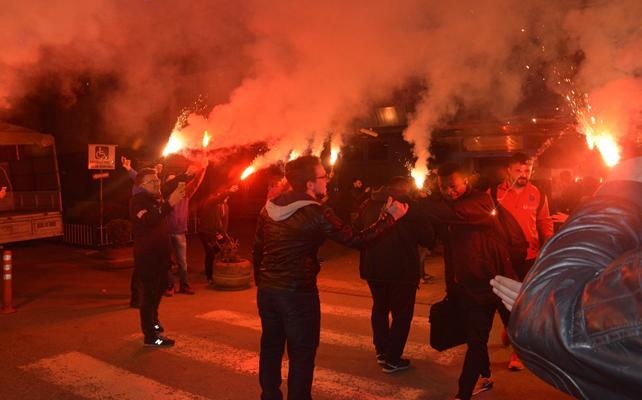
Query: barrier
(7,293)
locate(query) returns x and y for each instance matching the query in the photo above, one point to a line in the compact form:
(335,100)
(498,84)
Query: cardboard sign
(102,156)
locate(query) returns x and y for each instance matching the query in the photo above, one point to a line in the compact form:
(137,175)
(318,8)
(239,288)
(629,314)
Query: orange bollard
(7,293)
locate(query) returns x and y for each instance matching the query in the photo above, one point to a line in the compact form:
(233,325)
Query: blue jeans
(179,245)
(292,319)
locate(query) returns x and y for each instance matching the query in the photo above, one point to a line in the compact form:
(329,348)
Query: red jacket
(525,207)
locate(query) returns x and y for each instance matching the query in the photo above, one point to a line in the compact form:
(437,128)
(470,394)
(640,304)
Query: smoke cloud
(294,74)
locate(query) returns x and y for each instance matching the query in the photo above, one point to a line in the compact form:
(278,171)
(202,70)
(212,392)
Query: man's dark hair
(448,169)
(519,158)
(301,170)
(140,177)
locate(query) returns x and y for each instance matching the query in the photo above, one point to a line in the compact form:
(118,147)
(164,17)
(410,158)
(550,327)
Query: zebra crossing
(89,377)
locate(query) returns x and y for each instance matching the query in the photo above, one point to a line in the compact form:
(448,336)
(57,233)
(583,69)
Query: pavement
(74,336)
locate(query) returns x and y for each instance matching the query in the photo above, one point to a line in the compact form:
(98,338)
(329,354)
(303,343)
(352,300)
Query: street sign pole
(101,157)
(101,227)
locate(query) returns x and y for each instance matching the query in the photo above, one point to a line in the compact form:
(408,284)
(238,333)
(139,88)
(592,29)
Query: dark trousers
(397,299)
(135,289)
(211,249)
(521,269)
(292,319)
(153,285)
(479,321)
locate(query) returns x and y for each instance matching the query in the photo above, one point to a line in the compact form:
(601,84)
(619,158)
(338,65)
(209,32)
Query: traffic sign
(101,156)
(100,175)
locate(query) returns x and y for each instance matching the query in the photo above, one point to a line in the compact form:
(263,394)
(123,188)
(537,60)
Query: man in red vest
(529,207)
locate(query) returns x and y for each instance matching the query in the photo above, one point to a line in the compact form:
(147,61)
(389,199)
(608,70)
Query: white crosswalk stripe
(418,322)
(413,350)
(336,385)
(91,378)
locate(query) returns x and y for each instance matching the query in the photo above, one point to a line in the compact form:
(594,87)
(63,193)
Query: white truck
(30,199)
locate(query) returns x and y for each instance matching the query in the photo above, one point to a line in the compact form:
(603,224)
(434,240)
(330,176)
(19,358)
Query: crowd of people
(492,241)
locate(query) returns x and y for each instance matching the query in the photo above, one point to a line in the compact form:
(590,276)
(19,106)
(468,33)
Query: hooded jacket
(577,323)
(393,257)
(289,232)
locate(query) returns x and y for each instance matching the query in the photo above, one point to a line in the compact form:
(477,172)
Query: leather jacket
(289,232)
(577,322)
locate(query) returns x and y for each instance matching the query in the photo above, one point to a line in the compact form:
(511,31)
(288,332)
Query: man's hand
(559,217)
(233,189)
(127,163)
(177,195)
(396,208)
(506,289)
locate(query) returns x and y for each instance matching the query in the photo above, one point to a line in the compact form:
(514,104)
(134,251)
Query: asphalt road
(74,337)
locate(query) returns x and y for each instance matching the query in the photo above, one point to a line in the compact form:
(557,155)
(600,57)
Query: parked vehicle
(30,199)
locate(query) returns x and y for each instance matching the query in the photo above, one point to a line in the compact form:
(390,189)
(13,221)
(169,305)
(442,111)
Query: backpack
(510,231)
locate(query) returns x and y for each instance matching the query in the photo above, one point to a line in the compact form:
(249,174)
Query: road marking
(334,385)
(337,285)
(417,321)
(413,350)
(91,378)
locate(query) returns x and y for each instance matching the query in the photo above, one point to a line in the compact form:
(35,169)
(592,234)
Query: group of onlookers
(574,318)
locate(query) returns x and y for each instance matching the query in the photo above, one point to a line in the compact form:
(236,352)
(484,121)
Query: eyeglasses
(154,181)
(322,177)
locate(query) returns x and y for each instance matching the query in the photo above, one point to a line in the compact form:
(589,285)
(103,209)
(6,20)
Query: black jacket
(289,232)
(473,250)
(577,323)
(151,236)
(394,256)
(213,214)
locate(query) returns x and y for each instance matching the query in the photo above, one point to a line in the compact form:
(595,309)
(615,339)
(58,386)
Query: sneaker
(505,339)
(159,341)
(381,358)
(186,289)
(515,364)
(483,384)
(158,328)
(390,367)
(169,292)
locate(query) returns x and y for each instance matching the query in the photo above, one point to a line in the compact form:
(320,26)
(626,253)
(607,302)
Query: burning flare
(419,177)
(206,138)
(174,144)
(294,155)
(334,154)
(606,145)
(248,171)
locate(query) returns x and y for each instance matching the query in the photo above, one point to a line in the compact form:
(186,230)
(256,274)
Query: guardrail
(88,235)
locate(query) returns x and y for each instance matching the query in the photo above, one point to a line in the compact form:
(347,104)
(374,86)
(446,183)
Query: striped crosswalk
(328,336)
(91,378)
(332,383)
(88,377)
